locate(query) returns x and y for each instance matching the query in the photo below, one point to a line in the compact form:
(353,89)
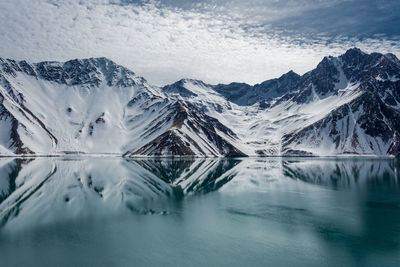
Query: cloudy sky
(217,41)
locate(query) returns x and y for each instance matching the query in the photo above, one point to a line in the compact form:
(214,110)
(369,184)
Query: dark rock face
(91,72)
(178,88)
(325,76)
(16,145)
(366,114)
(382,72)
(100,119)
(244,94)
(369,122)
(234,91)
(320,81)
(207,126)
(358,65)
(394,149)
(176,142)
(168,144)
(374,113)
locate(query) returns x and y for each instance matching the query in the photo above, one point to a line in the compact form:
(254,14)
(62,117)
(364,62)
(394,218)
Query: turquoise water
(250,212)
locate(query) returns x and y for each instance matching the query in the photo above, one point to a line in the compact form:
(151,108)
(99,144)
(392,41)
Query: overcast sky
(216,41)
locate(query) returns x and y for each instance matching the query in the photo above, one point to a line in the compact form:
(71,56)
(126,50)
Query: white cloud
(161,43)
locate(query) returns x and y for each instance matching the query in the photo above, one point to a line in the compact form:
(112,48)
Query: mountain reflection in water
(325,210)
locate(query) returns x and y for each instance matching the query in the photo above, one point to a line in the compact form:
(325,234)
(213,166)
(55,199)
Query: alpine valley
(347,105)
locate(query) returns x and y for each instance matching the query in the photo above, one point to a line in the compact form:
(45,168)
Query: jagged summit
(193,81)
(290,73)
(89,71)
(181,87)
(334,74)
(349,104)
(244,94)
(354,52)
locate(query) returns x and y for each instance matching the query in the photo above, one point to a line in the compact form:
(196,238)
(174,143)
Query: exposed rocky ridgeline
(244,94)
(191,133)
(92,72)
(96,106)
(347,105)
(368,124)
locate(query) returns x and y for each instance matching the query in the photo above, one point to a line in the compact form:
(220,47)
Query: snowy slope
(347,105)
(289,124)
(96,106)
(260,129)
(369,123)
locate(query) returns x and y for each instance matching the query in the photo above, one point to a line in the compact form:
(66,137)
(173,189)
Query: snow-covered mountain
(368,123)
(347,105)
(95,106)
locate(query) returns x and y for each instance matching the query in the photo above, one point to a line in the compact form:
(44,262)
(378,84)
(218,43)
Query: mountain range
(347,105)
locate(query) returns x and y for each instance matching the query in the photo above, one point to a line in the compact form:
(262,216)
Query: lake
(199,212)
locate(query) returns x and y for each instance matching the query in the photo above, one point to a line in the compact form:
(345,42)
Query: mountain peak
(354,56)
(289,75)
(94,61)
(355,51)
(87,71)
(192,81)
(393,58)
(179,88)
(348,104)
